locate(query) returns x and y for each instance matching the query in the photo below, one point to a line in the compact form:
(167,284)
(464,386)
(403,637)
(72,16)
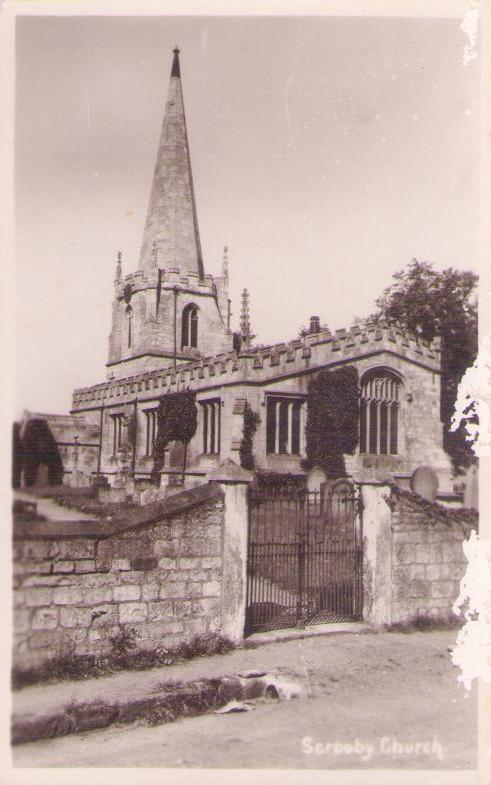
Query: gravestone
(316,479)
(424,482)
(80,479)
(471,490)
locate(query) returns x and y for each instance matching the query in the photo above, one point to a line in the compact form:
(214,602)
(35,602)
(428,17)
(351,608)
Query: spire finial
(225,261)
(119,268)
(246,336)
(176,70)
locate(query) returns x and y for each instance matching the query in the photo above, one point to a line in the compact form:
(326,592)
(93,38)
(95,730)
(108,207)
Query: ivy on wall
(177,419)
(332,420)
(249,428)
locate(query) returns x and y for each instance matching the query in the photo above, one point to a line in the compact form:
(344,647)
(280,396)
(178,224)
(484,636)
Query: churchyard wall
(413,556)
(77,585)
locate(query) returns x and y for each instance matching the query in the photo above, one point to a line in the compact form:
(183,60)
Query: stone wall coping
(466,518)
(123,521)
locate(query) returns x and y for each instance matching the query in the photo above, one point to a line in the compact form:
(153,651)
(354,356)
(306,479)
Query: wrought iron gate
(305,558)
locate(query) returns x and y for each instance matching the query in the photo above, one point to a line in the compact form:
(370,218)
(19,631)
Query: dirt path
(367,694)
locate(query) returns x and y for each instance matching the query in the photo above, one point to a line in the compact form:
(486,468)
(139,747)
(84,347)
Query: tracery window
(150,430)
(129,318)
(379,412)
(189,332)
(211,426)
(118,424)
(284,425)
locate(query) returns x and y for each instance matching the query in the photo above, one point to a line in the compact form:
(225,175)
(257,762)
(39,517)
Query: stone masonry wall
(428,561)
(162,579)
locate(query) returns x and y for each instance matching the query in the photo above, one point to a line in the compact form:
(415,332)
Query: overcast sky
(326,153)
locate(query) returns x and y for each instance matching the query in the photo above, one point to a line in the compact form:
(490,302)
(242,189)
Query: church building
(171,331)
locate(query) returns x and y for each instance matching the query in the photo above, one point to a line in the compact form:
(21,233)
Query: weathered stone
(63,566)
(183,608)
(211,589)
(37,597)
(194,590)
(150,591)
(132,611)
(442,589)
(47,580)
(21,619)
(400,574)
(18,598)
(433,572)
(85,565)
(416,572)
(77,549)
(206,606)
(75,617)
(67,595)
(168,548)
(104,616)
(166,563)
(197,575)
(43,640)
(119,565)
(144,563)
(189,563)
(35,549)
(453,552)
(201,547)
(209,561)
(132,576)
(45,619)
(126,593)
(423,554)
(31,568)
(177,589)
(160,610)
(97,595)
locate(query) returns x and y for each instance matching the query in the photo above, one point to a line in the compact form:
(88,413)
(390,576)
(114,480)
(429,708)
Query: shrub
(276,482)
(177,419)
(249,428)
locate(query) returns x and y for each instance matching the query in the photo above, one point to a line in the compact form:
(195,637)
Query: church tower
(169,310)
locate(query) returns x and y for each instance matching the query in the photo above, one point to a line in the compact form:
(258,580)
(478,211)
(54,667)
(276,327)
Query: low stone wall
(77,585)
(428,561)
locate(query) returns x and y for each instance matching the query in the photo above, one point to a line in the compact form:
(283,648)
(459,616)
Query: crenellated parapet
(152,278)
(266,363)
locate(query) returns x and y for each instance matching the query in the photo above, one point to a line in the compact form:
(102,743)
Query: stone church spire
(172,225)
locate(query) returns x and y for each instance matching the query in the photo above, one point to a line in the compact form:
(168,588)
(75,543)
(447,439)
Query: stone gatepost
(234,482)
(377,553)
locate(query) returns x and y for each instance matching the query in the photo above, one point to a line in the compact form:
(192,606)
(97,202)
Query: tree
(429,303)
(332,419)
(177,419)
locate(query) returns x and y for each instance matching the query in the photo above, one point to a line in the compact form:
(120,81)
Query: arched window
(189,332)
(379,412)
(129,317)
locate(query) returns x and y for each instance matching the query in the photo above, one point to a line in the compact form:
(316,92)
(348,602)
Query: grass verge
(423,623)
(174,701)
(124,655)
